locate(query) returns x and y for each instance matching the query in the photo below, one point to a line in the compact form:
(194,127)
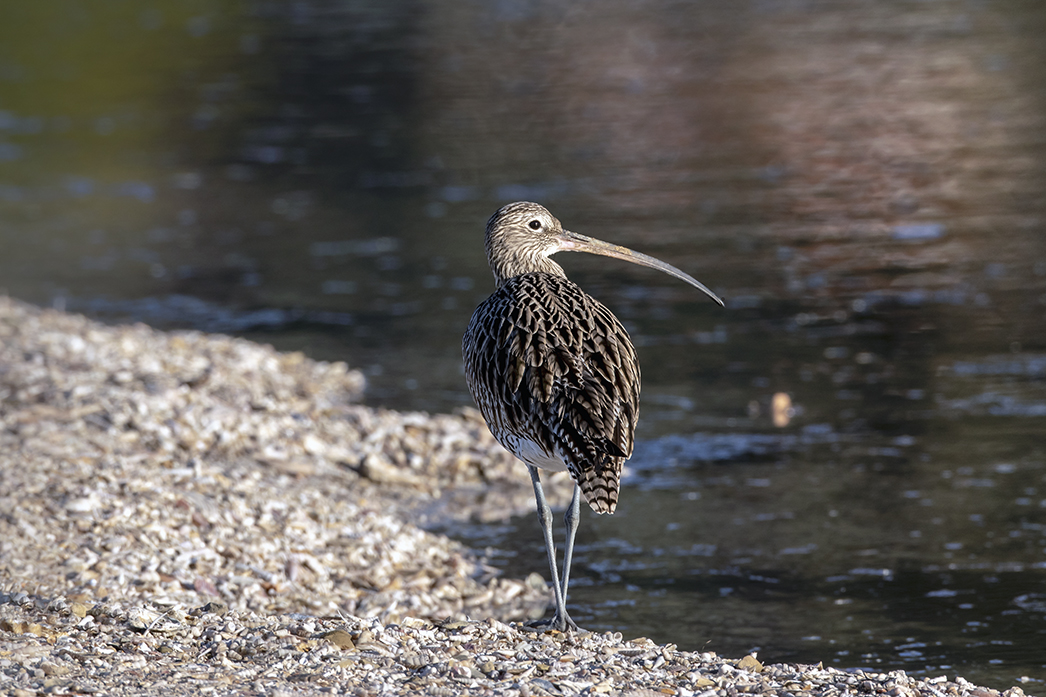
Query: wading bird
(553,371)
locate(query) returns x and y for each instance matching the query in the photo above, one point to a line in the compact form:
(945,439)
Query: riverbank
(193,512)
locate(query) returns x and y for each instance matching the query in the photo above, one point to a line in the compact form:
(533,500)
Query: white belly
(533,454)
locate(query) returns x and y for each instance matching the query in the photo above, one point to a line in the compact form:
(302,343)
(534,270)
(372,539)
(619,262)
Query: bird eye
(535,224)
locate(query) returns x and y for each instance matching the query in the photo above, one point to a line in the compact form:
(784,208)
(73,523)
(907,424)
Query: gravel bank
(196,513)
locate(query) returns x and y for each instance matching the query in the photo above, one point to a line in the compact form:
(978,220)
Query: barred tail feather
(601,484)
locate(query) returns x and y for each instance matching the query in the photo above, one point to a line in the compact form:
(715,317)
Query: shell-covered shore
(197,514)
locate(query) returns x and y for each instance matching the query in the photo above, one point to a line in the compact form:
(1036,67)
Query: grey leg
(561,620)
(572,518)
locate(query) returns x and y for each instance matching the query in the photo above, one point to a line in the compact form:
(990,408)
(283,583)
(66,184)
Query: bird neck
(505,268)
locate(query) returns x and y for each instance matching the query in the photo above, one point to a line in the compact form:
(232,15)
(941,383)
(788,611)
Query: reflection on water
(846,463)
(919,553)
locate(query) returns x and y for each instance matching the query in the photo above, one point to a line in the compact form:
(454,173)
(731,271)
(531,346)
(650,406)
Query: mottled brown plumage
(553,371)
(556,377)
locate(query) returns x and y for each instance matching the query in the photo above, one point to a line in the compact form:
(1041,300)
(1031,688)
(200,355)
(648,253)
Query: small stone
(341,639)
(215,607)
(750,663)
(378,469)
(536,581)
(82,505)
(53,669)
(13,626)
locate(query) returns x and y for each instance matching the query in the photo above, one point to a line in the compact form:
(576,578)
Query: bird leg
(572,519)
(561,621)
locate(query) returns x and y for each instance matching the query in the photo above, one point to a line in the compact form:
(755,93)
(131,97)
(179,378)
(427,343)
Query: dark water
(864,182)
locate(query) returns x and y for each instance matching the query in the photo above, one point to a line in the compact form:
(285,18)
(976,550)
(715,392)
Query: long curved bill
(573,242)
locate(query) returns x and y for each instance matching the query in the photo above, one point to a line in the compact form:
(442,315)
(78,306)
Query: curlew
(553,371)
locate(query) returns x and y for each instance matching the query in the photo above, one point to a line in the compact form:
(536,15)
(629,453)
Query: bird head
(522,236)
(520,239)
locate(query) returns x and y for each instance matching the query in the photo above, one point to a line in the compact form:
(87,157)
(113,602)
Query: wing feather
(559,370)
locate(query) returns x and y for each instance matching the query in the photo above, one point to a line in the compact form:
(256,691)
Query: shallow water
(821,546)
(862,182)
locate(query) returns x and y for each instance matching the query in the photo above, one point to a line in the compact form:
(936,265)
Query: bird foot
(555,624)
